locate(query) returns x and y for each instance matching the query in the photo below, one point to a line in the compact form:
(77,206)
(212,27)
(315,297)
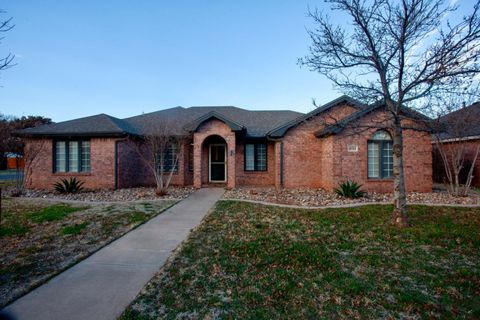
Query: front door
(218,168)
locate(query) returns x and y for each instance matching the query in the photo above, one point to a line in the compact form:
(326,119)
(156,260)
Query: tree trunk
(399,217)
(470,172)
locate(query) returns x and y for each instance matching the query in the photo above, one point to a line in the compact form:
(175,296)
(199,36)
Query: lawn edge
(348,205)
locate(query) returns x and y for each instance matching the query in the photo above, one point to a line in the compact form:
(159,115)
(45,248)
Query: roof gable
(468,116)
(280,131)
(193,126)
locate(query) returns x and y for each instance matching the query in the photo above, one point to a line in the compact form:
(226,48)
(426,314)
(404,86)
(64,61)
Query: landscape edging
(348,205)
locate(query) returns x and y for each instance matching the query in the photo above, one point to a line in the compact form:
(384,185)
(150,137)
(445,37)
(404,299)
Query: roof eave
(72,134)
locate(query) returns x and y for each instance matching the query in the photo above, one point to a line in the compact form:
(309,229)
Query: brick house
(461,131)
(234,147)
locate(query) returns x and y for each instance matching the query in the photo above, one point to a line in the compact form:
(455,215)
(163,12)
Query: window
(72,156)
(256,157)
(167,160)
(380,156)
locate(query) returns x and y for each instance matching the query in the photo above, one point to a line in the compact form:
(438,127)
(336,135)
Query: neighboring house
(462,131)
(14,161)
(235,147)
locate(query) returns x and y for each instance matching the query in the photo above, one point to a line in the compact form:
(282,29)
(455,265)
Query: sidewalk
(102,286)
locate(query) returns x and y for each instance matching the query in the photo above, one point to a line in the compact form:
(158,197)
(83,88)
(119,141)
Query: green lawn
(250,261)
(39,239)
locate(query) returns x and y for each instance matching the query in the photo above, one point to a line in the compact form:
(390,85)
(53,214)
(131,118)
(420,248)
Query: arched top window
(380,155)
(381,135)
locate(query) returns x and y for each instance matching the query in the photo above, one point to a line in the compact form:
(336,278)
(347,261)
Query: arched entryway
(214,154)
(214,151)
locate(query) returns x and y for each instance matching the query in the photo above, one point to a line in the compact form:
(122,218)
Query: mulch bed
(319,197)
(127,194)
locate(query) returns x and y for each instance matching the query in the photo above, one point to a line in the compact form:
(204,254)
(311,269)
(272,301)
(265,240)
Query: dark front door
(217,163)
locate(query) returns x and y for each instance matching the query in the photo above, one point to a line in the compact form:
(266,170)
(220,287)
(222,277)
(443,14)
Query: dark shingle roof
(462,123)
(178,121)
(98,125)
(255,123)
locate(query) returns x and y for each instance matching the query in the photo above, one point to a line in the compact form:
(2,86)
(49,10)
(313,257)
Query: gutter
(457,139)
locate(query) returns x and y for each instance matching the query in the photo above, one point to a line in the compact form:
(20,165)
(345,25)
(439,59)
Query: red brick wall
(39,174)
(187,173)
(133,171)
(323,163)
(354,165)
(305,154)
(255,178)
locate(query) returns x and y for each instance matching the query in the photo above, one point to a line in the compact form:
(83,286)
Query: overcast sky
(79,58)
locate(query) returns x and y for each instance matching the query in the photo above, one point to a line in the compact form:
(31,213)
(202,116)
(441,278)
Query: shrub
(350,189)
(71,185)
(161,192)
(16,192)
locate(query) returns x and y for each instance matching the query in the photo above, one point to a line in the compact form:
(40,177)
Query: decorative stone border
(348,205)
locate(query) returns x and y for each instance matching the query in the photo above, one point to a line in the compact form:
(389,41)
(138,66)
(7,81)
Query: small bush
(71,185)
(17,192)
(161,192)
(350,189)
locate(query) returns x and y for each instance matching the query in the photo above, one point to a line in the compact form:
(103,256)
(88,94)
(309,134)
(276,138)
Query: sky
(124,58)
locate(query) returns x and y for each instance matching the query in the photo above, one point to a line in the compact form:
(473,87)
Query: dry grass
(260,262)
(38,239)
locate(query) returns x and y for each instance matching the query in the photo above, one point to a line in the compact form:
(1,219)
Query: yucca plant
(71,185)
(350,189)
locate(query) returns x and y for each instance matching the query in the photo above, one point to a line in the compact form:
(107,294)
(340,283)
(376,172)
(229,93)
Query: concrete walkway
(102,286)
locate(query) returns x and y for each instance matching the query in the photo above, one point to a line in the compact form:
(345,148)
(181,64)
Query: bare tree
(33,153)
(399,52)
(5,62)
(160,151)
(5,26)
(10,143)
(454,123)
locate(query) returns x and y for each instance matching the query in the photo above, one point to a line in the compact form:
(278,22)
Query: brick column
(197,160)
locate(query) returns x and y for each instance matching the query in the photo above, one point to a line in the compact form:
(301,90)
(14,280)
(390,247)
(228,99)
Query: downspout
(116,165)
(281,164)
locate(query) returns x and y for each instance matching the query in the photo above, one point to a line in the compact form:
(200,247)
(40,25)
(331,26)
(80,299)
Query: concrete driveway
(102,286)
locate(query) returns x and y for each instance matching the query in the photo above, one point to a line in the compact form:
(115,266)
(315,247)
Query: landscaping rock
(320,197)
(128,194)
